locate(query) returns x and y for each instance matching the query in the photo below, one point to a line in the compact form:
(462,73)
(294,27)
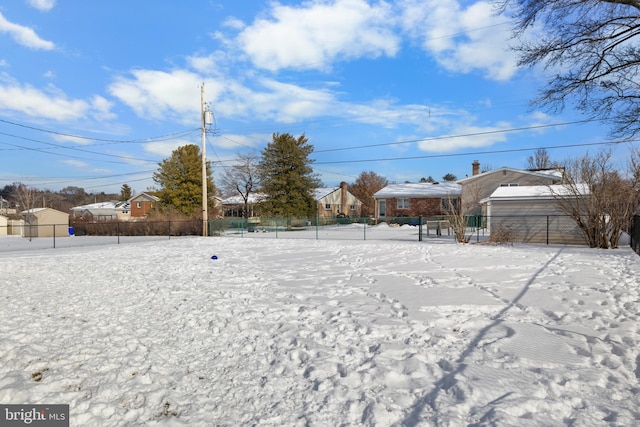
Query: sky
(95,95)
(279,331)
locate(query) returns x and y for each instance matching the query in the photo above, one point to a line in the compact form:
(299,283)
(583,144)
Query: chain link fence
(540,229)
(45,236)
(398,228)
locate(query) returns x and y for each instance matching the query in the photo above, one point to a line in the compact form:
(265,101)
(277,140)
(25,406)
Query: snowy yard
(294,332)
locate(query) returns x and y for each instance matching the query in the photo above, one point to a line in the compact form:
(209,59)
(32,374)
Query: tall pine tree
(180,180)
(287,178)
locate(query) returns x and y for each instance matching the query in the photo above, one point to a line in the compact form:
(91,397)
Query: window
(403,203)
(327,206)
(449,204)
(139,204)
(352,207)
(508,185)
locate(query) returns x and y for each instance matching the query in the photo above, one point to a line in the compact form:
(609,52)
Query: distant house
(142,204)
(531,214)
(103,211)
(4,225)
(45,222)
(234,205)
(417,198)
(481,185)
(336,201)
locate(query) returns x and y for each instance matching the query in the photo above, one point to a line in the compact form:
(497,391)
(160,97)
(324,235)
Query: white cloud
(466,136)
(155,94)
(101,108)
(313,35)
(163,149)
(24,35)
(51,103)
(44,5)
(36,103)
(73,139)
(75,163)
(238,141)
(462,39)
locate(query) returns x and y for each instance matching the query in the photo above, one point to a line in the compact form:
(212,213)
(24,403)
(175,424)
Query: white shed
(531,214)
(45,222)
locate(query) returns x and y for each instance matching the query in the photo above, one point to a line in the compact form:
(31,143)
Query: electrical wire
(166,137)
(475,153)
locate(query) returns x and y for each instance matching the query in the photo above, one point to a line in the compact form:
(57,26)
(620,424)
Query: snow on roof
(238,200)
(548,173)
(321,192)
(537,191)
(33,210)
(420,189)
(102,205)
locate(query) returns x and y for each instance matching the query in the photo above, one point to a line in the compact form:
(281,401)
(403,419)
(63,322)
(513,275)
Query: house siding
(483,185)
(146,202)
(46,223)
(531,221)
(340,201)
(417,207)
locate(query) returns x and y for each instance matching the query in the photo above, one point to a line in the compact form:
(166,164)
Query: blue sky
(95,94)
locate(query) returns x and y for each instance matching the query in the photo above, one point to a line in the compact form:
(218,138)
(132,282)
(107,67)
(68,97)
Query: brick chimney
(475,168)
(343,198)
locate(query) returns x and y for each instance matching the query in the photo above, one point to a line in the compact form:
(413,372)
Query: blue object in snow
(214,257)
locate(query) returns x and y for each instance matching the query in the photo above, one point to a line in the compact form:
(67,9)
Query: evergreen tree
(180,180)
(449,177)
(287,178)
(125,192)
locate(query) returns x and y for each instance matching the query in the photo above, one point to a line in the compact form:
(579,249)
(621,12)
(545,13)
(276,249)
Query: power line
(166,137)
(58,146)
(436,138)
(476,153)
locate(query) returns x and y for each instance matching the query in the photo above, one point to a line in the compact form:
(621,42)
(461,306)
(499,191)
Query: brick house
(142,204)
(417,198)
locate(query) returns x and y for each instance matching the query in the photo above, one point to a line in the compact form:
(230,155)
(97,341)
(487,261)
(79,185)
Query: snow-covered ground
(294,332)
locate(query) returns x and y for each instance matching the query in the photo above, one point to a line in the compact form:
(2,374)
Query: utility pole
(205,218)
(206,119)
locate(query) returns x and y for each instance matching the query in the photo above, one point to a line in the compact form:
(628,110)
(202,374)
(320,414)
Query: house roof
(238,200)
(146,196)
(543,173)
(34,211)
(102,205)
(420,189)
(528,192)
(321,192)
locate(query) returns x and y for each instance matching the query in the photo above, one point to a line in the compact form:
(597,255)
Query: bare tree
(25,202)
(468,204)
(591,50)
(365,186)
(599,199)
(242,179)
(539,160)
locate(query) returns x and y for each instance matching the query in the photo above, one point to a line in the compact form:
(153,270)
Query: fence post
(364,227)
(420,228)
(118,230)
(54,236)
(317,224)
(547,229)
